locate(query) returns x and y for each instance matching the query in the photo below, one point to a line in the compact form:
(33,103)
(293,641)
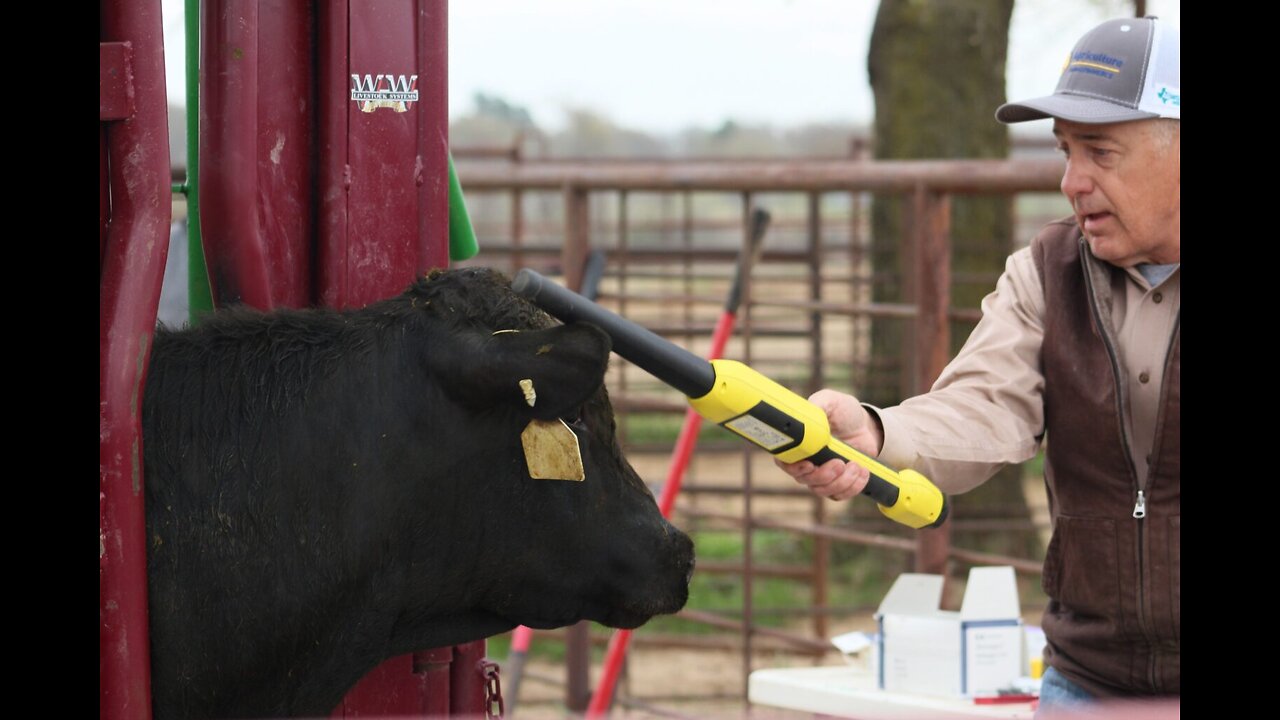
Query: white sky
(663,65)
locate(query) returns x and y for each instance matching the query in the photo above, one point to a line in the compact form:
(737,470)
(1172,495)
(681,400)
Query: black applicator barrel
(661,358)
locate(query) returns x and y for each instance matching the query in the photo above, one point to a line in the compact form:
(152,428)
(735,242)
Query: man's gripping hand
(850,422)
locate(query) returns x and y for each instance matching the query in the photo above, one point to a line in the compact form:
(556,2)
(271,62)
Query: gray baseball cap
(1122,70)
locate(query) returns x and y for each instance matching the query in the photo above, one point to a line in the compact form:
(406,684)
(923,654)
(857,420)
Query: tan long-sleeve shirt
(986,410)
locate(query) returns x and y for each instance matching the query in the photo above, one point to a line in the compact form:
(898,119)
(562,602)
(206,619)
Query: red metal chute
(311,194)
(135,215)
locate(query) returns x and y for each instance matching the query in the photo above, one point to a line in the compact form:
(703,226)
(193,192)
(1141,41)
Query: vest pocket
(1081,568)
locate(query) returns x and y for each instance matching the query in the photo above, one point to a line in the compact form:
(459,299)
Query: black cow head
(329,489)
(554,551)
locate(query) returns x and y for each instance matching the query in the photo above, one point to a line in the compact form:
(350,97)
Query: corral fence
(671,231)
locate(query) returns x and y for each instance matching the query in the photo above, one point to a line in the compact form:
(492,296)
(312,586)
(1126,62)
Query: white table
(850,692)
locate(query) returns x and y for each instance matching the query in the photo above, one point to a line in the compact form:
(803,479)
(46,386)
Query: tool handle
(903,495)
(747,258)
(667,361)
(879,489)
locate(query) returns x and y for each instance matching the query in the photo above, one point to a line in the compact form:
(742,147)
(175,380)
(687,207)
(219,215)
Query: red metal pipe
(384,191)
(466,681)
(333,173)
(256,142)
(520,640)
(133,259)
(957,176)
(115,102)
(104,198)
(256,146)
(433,136)
(285,142)
(435,666)
(234,246)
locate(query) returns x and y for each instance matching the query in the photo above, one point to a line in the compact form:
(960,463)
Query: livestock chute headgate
(323,178)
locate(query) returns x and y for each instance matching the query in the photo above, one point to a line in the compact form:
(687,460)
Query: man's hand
(850,422)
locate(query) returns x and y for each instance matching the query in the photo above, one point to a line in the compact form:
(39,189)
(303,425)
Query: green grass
(664,428)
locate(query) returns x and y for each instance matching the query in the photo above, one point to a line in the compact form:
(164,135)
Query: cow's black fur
(329,489)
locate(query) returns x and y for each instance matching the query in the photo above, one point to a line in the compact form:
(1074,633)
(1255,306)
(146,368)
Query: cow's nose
(690,558)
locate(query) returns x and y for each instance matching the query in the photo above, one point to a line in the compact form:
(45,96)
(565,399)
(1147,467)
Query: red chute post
(256,147)
(383,160)
(359,142)
(136,210)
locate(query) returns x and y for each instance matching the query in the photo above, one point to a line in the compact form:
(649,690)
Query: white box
(971,653)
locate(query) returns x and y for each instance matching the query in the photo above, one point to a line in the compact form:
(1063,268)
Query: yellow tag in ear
(551,451)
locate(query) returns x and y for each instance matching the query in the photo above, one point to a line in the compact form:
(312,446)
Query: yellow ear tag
(551,451)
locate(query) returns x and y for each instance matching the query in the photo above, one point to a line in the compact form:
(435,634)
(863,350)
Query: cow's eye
(575,420)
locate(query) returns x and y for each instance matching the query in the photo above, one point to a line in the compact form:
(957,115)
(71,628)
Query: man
(1080,339)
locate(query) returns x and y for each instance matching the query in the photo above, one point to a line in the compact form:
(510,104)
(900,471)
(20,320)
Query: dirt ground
(658,674)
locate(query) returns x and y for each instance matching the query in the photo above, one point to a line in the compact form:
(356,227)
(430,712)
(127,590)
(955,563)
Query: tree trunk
(938,74)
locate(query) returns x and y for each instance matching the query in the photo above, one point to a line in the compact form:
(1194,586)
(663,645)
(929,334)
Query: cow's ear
(562,365)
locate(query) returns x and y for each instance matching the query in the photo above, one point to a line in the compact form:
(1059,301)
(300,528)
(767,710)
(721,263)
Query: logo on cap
(1099,64)
(1169,96)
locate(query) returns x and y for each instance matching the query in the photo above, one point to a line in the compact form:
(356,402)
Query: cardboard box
(971,653)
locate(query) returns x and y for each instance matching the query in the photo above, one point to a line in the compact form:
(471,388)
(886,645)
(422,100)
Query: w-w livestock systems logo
(371,92)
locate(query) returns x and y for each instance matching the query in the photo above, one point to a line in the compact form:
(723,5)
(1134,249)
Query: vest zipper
(1140,508)
(1157,651)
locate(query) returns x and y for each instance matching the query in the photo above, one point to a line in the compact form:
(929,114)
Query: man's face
(1124,183)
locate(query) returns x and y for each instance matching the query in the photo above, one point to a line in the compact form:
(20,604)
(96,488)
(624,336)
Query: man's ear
(564,364)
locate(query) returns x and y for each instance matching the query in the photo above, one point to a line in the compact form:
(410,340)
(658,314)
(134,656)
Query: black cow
(329,489)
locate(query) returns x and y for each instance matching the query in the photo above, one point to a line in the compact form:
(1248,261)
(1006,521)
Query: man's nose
(1076,180)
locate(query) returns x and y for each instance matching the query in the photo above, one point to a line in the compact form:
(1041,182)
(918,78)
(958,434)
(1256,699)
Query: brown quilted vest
(1113,580)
